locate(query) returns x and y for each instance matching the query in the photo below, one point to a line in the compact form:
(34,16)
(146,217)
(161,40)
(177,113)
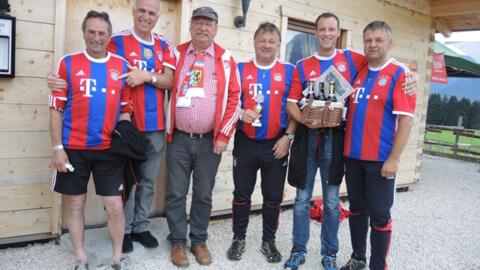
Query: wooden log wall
(25,196)
(412,31)
(48,29)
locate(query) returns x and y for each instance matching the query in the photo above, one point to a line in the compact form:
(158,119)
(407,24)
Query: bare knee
(114,206)
(75,202)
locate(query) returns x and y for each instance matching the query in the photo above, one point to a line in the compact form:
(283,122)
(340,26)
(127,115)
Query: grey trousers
(137,207)
(187,157)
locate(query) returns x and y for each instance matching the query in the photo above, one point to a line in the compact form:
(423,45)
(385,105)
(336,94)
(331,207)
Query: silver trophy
(259,98)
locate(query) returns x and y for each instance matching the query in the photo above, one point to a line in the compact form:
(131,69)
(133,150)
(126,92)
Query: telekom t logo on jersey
(89,86)
(142,65)
(360,94)
(257,88)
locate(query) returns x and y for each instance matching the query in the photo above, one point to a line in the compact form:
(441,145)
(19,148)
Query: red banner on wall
(439,70)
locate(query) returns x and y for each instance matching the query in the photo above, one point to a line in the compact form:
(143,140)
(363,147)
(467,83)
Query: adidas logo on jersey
(133,54)
(80,73)
(249,77)
(312,73)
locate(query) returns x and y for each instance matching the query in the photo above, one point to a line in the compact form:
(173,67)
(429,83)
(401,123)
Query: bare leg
(115,224)
(75,222)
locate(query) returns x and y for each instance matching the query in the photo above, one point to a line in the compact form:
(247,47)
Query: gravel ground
(435,227)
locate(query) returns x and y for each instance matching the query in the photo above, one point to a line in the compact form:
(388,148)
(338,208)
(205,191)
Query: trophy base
(256,124)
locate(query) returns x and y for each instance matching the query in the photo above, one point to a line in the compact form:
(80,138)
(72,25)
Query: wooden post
(457,135)
(60,11)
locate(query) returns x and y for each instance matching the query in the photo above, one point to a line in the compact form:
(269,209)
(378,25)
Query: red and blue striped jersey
(373,109)
(154,56)
(347,62)
(274,83)
(93,100)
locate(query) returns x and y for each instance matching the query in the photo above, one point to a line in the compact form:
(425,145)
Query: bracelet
(57,147)
(240,114)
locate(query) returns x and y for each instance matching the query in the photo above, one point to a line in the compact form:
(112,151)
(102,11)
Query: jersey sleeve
(112,46)
(359,59)
(169,56)
(126,103)
(295,94)
(58,98)
(403,103)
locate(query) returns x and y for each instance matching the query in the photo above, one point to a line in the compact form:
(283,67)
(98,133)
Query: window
(301,41)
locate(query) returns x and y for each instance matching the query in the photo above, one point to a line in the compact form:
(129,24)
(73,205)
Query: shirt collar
(210,50)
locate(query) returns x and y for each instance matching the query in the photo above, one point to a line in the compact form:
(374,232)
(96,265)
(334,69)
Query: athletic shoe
(146,239)
(120,265)
(296,259)
(271,252)
(354,264)
(236,250)
(329,263)
(127,245)
(79,265)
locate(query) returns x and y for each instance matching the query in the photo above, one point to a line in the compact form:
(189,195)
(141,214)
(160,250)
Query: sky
(459,36)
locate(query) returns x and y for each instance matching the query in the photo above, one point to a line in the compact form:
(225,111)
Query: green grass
(448,137)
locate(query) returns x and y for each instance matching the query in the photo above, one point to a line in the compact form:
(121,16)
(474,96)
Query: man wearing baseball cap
(201,118)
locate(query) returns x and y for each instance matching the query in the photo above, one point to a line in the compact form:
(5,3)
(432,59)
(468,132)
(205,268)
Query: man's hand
(411,82)
(219,147)
(59,160)
(55,83)
(281,147)
(136,76)
(389,168)
(249,116)
(125,116)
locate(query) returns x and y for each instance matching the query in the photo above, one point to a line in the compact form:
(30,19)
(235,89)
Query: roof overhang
(459,15)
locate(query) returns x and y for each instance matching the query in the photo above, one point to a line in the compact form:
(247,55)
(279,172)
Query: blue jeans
(301,207)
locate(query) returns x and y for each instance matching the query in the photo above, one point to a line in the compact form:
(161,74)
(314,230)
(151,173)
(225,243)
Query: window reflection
(300,44)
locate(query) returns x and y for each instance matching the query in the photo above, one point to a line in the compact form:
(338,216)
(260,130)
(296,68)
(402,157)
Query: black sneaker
(354,264)
(127,245)
(237,248)
(146,239)
(271,252)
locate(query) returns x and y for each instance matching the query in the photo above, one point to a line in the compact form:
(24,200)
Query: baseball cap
(206,12)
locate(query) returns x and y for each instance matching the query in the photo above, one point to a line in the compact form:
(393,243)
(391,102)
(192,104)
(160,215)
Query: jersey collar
(380,67)
(97,60)
(139,39)
(264,67)
(326,58)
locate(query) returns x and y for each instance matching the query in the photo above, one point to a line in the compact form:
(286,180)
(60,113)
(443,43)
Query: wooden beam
(441,8)
(442,27)
(60,28)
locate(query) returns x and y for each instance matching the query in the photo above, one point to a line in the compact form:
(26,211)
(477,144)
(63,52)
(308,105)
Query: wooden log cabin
(47,29)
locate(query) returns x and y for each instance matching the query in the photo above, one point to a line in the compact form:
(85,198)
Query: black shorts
(107,169)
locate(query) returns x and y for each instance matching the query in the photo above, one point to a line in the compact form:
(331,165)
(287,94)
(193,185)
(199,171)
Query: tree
(464,108)
(434,110)
(474,115)
(453,111)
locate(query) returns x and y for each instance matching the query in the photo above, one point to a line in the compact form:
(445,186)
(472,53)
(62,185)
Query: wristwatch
(154,78)
(290,136)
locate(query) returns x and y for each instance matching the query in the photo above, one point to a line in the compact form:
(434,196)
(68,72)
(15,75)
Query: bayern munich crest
(147,53)
(277,77)
(383,81)
(342,67)
(114,74)
(160,56)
